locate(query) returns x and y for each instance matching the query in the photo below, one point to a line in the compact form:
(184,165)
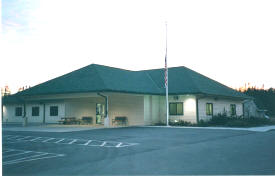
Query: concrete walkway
(51,128)
(71,128)
(256,129)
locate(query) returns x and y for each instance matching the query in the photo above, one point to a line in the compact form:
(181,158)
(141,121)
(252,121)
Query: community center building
(112,96)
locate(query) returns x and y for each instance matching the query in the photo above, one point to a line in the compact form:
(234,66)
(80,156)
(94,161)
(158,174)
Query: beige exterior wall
(37,119)
(9,113)
(82,107)
(131,106)
(155,109)
(189,108)
(61,112)
(219,105)
(139,109)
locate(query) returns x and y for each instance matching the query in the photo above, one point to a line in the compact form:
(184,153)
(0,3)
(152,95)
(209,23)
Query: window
(18,111)
(209,109)
(233,109)
(54,111)
(176,108)
(35,111)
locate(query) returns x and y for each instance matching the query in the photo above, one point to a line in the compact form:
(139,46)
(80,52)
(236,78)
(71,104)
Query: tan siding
(147,110)
(189,107)
(31,118)
(83,107)
(61,112)
(130,106)
(219,106)
(9,113)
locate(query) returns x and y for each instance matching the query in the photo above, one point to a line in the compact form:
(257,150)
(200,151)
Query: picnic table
(69,120)
(120,120)
(87,120)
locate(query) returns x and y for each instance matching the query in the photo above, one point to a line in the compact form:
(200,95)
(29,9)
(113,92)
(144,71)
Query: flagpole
(166,80)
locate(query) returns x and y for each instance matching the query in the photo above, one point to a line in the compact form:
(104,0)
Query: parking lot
(138,151)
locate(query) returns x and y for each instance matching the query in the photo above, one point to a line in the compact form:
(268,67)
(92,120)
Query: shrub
(223,120)
(180,123)
(160,124)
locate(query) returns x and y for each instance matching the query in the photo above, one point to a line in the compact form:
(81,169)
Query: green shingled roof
(98,78)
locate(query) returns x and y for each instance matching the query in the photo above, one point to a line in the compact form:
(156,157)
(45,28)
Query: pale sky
(232,42)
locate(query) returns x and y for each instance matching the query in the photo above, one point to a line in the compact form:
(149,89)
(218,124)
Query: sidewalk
(256,129)
(48,127)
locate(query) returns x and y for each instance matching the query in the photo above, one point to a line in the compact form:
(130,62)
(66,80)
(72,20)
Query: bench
(87,120)
(120,120)
(69,120)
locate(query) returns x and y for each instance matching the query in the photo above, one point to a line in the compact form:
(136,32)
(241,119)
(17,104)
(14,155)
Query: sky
(229,41)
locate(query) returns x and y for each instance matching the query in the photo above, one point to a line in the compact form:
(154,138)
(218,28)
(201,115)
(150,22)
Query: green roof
(99,78)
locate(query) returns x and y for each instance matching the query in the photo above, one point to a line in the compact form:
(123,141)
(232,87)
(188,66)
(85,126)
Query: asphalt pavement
(139,151)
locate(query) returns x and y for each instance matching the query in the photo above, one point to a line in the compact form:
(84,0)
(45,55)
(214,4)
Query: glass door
(100,113)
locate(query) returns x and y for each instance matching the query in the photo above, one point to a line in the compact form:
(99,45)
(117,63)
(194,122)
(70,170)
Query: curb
(255,129)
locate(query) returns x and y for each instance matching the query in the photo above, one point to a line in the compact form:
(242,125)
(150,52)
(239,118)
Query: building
(106,93)
(251,110)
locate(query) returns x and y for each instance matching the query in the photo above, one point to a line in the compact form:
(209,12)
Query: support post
(166,80)
(167,106)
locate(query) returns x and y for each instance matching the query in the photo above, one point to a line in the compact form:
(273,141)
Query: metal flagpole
(166,80)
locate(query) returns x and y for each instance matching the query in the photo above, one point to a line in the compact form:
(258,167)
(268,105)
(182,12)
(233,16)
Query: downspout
(44,113)
(25,122)
(197,109)
(106,119)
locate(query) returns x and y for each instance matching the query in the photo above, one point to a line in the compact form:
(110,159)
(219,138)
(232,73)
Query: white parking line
(84,142)
(14,162)
(89,141)
(32,140)
(24,138)
(12,137)
(103,144)
(59,140)
(48,139)
(118,145)
(26,156)
(16,154)
(72,141)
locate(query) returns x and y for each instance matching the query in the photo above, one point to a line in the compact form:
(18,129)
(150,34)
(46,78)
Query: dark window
(54,111)
(35,111)
(176,108)
(18,111)
(233,109)
(209,109)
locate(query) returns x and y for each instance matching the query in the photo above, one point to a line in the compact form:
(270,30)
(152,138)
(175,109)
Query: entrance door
(100,113)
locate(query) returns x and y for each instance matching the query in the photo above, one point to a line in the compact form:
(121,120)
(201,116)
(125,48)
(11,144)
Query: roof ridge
(99,75)
(111,67)
(153,81)
(187,72)
(160,68)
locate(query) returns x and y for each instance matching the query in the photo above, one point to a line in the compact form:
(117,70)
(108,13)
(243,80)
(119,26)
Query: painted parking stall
(14,156)
(67,141)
